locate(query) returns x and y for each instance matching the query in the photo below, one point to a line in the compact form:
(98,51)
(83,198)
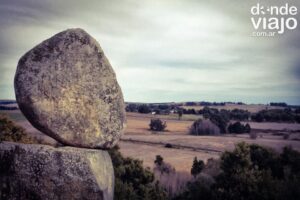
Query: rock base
(31,171)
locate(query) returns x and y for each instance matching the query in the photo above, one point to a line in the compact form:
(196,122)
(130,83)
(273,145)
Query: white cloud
(164,50)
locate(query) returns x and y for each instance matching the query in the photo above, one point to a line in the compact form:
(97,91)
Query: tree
(144,109)
(180,112)
(131,107)
(132,181)
(157,125)
(219,119)
(204,127)
(250,172)
(197,167)
(159,160)
(162,167)
(238,127)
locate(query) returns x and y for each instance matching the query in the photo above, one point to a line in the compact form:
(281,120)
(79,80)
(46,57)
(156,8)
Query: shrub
(158,160)
(286,136)
(162,166)
(132,181)
(253,135)
(204,127)
(157,125)
(168,145)
(250,172)
(172,181)
(9,131)
(238,127)
(197,167)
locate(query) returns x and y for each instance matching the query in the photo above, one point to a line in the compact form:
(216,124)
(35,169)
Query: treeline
(8,108)
(5,102)
(248,172)
(277,115)
(4,105)
(291,115)
(149,108)
(280,104)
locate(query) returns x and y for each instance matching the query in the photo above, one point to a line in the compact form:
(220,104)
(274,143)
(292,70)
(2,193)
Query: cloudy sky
(165,51)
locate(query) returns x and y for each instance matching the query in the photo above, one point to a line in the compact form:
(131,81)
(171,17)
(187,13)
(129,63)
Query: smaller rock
(31,171)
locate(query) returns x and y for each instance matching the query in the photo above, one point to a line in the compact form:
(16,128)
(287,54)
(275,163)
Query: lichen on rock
(67,89)
(31,171)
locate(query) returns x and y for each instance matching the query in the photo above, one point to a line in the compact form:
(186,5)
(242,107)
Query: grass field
(139,142)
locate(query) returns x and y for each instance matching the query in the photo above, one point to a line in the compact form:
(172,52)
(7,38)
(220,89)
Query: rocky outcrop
(67,89)
(31,171)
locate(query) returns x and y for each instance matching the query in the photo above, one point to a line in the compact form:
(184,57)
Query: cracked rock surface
(32,171)
(67,89)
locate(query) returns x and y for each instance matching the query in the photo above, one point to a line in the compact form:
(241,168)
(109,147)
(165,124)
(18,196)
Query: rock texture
(44,172)
(67,89)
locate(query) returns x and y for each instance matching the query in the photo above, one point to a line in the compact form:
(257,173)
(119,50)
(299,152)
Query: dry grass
(181,159)
(176,134)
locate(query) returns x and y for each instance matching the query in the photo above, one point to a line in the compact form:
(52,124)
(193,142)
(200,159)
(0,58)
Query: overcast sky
(164,51)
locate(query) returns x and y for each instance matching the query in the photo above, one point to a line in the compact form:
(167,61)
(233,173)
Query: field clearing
(141,143)
(182,160)
(219,143)
(139,124)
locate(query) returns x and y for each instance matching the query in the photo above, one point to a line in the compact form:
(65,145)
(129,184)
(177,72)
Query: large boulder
(67,89)
(30,171)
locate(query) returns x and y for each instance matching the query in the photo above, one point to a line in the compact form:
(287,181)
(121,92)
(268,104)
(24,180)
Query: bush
(253,135)
(221,120)
(255,172)
(286,136)
(173,182)
(162,166)
(197,167)
(132,181)
(204,127)
(9,131)
(238,128)
(250,172)
(168,145)
(157,125)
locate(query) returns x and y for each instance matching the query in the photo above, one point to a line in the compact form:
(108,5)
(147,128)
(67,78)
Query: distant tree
(179,114)
(238,127)
(220,120)
(204,127)
(250,172)
(144,108)
(131,108)
(275,115)
(281,104)
(157,125)
(190,103)
(198,166)
(161,166)
(158,160)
